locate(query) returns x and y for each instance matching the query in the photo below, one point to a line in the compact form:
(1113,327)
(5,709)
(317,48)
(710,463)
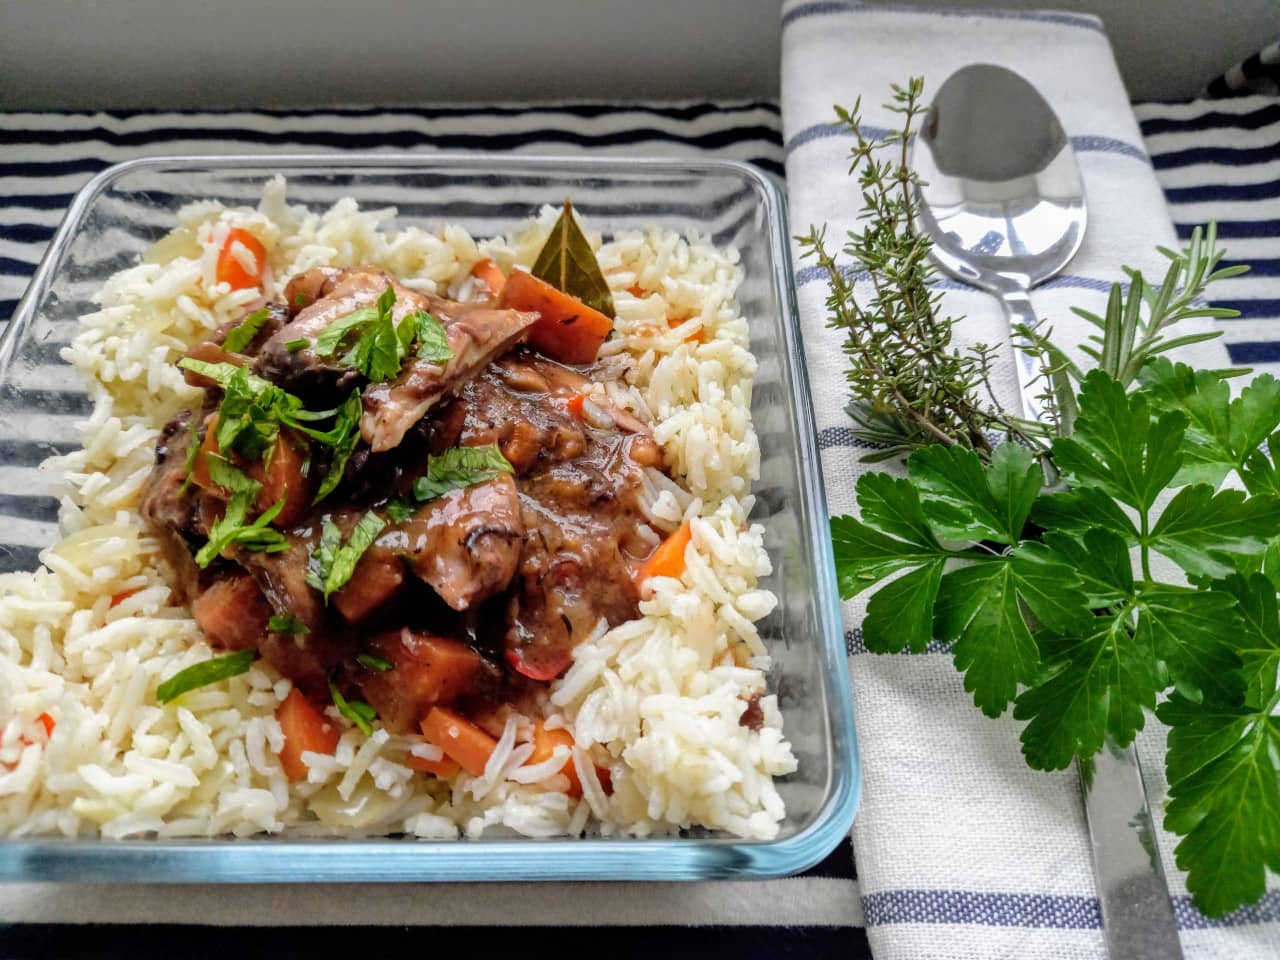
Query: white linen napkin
(962,850)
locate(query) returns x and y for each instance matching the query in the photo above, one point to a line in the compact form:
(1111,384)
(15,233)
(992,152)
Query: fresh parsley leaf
(1098,685)
(332,563)
(1117,447)
(229,477)
(342,438)
(1205,532)
(1100,560)
(372,662)
(901,612)
(332,337)
(300,300)
(460,467)
(357,711)
(1258,642)
(399,510)
(232,529)
(239,337)
(1078,511)
(1261,469)
(965,502)
(978,610)
(433,343)
(204,673)
(286,624)
(193,451)
(1224,784)
(892,505)
(1185,629)
(293,346)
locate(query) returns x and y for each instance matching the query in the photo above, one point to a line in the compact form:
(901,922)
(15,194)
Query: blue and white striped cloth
(44,159)
(962,850)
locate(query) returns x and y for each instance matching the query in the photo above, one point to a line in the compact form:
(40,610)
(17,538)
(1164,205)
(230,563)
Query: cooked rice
(656,702)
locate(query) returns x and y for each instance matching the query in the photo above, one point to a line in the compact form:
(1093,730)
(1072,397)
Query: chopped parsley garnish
(204,673)
(460,467)
(300,300)
(193,451)
(232,528)
(373,663)
(433,343)
(342,438)
(357,711)
(400,509)
(380,344)
(331,563)
(286,624)
(293,346)
(238,338)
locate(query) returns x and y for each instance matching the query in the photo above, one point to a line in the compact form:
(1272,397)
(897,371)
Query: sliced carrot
(232,612)
(122,596)
(460,739)
(426,671)
(46,721)
(493,277)
(281,474)
(231,270)
(637,291)
(668,559)
(444,768)
(306,730)
(575,404)
(699,337)
(376,579)
(544,744)
(568,330)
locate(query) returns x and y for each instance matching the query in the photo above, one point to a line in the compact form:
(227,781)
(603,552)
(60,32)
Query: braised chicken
(447,540)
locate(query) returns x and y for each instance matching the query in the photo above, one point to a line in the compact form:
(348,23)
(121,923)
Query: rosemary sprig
(910,387)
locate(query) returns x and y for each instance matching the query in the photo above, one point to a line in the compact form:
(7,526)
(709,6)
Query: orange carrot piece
(569,330)
(668,559)
(460,739)
(488,271)
(231,271)
(699,337)
(122,596)
(305,729)
(544,744)
(575,404)
(232,612)
(46,721)
(444,768)
(281,475)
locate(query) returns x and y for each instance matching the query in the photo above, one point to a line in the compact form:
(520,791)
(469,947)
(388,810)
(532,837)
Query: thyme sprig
(910,386)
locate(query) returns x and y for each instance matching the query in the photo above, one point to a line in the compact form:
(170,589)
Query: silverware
(1003,201)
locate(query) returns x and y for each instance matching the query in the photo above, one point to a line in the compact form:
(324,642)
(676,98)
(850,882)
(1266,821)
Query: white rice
(655,703)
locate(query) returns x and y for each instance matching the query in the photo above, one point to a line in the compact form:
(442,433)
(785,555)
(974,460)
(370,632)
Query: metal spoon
(1003,201)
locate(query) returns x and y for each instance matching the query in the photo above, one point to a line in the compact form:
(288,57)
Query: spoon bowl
(1001,194)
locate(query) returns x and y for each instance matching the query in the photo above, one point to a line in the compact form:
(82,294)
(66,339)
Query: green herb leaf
(901,612)
(1224,784)
(1098,685)
(1078,511)
(239,337)
(357,711)
(342,437)
(568,263)
(1205,532)
(893,505)
(204,673)
(293,346)
(399,510)
(1117,448)
(965,502)
(1185,628)
(1258,642)
(232,529)
(331,564)
(977,608)
(460,467)
(332,337)
(286,624)
(372,662)
(433,342)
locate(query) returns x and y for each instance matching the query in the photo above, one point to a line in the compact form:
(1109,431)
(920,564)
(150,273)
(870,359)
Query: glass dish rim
(279,859)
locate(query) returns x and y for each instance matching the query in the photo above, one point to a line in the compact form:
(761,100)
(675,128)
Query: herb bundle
(1050,598)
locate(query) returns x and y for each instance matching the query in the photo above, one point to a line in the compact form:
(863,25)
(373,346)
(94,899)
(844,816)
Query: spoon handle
(1137,915)
(1017,302)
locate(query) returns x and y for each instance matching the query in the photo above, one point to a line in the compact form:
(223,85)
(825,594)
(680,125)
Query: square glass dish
(125,209)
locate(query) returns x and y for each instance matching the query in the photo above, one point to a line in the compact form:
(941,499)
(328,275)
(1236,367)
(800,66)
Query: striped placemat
(1214,159)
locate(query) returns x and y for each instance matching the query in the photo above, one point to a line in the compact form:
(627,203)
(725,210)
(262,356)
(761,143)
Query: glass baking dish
(125,209)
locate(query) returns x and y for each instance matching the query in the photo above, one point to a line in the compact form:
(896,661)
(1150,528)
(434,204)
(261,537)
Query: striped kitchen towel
(962,850)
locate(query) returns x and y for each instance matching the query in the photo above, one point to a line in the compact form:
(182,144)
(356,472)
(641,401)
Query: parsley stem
(1146,550)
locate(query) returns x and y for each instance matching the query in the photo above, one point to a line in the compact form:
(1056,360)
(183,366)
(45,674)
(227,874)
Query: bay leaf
(568,263)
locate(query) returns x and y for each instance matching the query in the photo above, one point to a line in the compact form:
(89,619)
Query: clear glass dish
(125,209)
